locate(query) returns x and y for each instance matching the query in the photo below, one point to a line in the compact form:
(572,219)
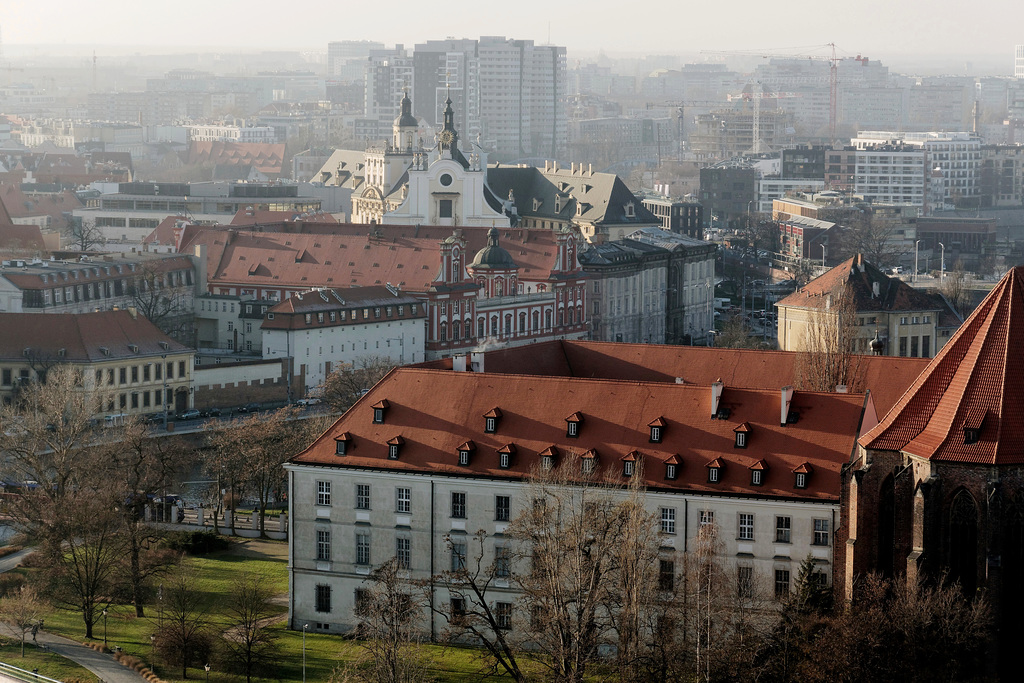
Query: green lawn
(48,663)
(323,652)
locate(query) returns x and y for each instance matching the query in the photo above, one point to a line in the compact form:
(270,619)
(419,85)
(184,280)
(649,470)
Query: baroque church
(936,489)
(403,181)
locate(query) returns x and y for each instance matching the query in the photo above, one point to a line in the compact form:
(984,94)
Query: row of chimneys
(552,166)
(786,400)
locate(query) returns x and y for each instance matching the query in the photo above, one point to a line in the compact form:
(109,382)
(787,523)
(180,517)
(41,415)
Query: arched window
(480,331)
(963,542)
(494,325)
(522,323)
(536,321)
(469,330)
(444,332)
(456,330)
(547,319)
(499,287)
(508,325)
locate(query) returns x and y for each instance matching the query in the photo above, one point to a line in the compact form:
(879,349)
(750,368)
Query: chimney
(477,360)
(459,363)
(134,312)
(787,398)
(201,264)
(716,396)
(875,290)
(590,169)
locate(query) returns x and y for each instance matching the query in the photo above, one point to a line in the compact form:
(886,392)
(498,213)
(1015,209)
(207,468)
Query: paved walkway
(9,562)
(103,665)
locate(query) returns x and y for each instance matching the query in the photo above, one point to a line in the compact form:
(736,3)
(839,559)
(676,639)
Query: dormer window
(466,452)
(547,457)
(505,455)
(379,409)
(972,425)
(395,447)
(672,467)
(715,468)
(342,443)
(657,428)
(630,210)
(802,474)
(491,420)
(588,462)
(572,425)
(742,435)
(757,473)
(629,463)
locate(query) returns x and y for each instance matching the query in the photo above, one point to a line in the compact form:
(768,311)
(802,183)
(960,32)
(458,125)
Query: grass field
(47,663)
(216,571)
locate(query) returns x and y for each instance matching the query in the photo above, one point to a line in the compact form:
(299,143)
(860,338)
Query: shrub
(196,542)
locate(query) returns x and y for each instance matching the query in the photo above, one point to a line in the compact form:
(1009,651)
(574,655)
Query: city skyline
(877,29)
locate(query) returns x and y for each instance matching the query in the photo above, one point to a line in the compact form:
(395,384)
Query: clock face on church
(447,137)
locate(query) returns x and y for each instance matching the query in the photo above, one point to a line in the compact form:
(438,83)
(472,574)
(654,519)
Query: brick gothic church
(937,487)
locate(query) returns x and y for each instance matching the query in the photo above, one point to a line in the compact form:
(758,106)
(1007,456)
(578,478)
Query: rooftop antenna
(94,70)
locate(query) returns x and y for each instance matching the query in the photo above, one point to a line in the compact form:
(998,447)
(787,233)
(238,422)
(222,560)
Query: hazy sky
(878,28)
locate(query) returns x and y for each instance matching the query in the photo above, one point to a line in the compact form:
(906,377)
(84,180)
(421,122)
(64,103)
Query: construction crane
(833,76)
(757,97)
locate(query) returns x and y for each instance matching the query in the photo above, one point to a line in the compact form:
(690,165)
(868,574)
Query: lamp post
(942,263)
(822,255)
(207,667)
(304,628)
(104,627)
(915,260)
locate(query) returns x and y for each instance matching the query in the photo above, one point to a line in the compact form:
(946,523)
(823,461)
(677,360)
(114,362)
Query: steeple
(405,125)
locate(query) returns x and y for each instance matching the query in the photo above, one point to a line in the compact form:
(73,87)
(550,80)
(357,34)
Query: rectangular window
(745,582)
(122,375)
(458,505)
(362,547)
(323,493)
(458,556)
(782,529)
(458,610)
(821,532)
(323,545)
(707,517)
(746,527)
(666,575)
(403,552)
(502,508)
(362,496)
(781,583)
(403,500)
(146,372)
(913,347)
(668,520)
(323,598)
(903,347)
(926,346)
(503,612)
(181,369)
(502,562)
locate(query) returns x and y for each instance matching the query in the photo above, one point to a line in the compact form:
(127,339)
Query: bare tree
(250,642)
(165,303)
(862,230)
(182,636)
(347,383)
(23,608)
(828,356)
(82,233)
(956,287)
(134,469)
(388,609)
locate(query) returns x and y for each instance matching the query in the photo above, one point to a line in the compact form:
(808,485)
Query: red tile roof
(267,158)
(436,411)
(254,217)
(886,377)
(21,238)
(977,377)
(860,278)
(82,336)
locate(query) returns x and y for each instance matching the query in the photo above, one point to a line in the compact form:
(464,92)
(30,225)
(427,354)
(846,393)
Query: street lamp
(104,627)
(304,628)
(942,263)
(915,259)
(207,667)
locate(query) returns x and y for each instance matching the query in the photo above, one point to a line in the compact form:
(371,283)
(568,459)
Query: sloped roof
(20,205)
(81,336)
(860,277)
(267,158)
(603,195)
(254,217)
(886,377)
(435,411)
(291,311)
(977,377)
(21,237)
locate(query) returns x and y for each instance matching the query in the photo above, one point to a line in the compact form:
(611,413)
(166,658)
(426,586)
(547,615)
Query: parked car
(310,401)
(210,412)
(250,408)
(189,415)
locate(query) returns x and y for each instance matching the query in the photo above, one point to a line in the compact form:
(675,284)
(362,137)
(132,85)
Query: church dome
(493,255)
(406,119)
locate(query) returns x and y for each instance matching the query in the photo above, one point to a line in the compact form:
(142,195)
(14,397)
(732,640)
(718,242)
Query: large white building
(324,328)
(891,174)
(1018,61)
(953,160)
(434,453)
